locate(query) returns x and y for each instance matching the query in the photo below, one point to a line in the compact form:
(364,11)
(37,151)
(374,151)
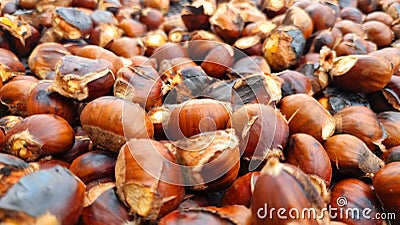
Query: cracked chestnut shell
(47,196)
(148,182)
(72,23)
(211,159)
(83,79)
(283,47)
(44,58)
(110,121)
(40,134)
(139,84)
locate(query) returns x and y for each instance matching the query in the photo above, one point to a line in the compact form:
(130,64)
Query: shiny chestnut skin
(386,187)
(202,118)
(359,196)
(15,95)
(153,18)
(103,34)
(11,65)
(306,115)
(379,33)
(94,165)
(109,121)
(227,22)
(294,83)
(48,196)
(323,17)
(390,120)
(43,101)
(196,15)
(83,79)
(361,122)
(300,18)
(132,28)
(241,190)
(126,47)
(103,206)
(305,152)
(97,52)
(349,73)
(391,155)
(143,184)
(40,134)
(350,156)
(218,60)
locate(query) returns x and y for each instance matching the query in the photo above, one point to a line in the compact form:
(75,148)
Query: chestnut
(152,17)
(379,33)
(93,165)
(126,47)
(110,5)
(7,122)
(143,183)
(300,18)
(89,4)
(306,153)
(196,16)
(15,94)
(218,60)
(83,79)
(11,170)
(283,47)
(259,28)
(201,43)
(350,73)
(169,51)
(306,115)
(386,186)
(294,83)
(140,84)
(285,186)
(350,156)
(361,122)
(59,201)
(97,52)
(103,34)
(348,26)
(379,16)
(355,195)
(261,129)
(227,22)
(195,116)
(351,44)
(48,162)
(71,23)
(251,45)
(256,88)
(40,134)
(102,206)
(153,40)
(43,101)
(110,121)
(241,190)
(275,8)
(44,58)
(352,13)
(202,154)
(10,65)
(132,28)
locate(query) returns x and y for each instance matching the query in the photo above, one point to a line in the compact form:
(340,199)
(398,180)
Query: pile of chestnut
(125,112)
